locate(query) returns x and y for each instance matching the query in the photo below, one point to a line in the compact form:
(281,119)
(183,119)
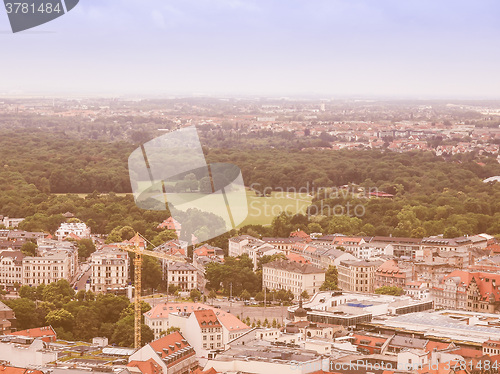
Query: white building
(11,223)
(49,268)
(11,268)
(110,267)
(357,276)
(78,229)
(183,275)
(163,316)
(237,243)
(293,276)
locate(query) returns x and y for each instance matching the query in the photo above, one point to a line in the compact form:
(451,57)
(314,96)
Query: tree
(195,294)
(59,292)
(123,334)
(259,296)
(27,292)
(85,248)
(304,295)
(389,290)
(151,273)
(245,295)
(26,314)
(60,318)
(331,279)
(172,329)
(29,249)
(451,232)
(172,289)
(267,259)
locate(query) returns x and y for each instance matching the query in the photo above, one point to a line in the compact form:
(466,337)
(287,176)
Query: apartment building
(392,274)
(47,269)
(204,332)
(357,276)
(11,268)
(466,290)
(183,275)
(73,230)
(293,276)
(237,243)
(110,269)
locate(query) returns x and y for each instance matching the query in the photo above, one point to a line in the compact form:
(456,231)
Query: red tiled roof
(38,332)
(207,318)
(14,370)
(169,344)
(146,367)
(297,258)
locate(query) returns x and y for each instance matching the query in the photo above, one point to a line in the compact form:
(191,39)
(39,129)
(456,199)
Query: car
(217,306)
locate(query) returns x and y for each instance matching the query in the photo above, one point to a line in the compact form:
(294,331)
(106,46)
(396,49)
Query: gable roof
(146,367)
(38,332)
(172,347)
(206,318)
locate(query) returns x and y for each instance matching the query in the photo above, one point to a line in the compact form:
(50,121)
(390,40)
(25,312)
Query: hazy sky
(416,48)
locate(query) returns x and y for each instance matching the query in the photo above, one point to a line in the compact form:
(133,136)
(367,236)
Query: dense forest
(42,172)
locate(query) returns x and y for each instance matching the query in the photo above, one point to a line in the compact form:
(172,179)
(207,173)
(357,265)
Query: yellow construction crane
(139,252)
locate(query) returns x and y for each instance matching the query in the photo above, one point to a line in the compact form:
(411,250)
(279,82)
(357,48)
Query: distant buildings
(7,319)
(357,276)
(74,230)
(11,268)
(392,274)
(472,291)
(293,276)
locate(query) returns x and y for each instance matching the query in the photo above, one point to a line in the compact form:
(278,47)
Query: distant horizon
(222,96)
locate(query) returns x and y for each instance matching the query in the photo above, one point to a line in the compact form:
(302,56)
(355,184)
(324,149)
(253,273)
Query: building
(7,319)
(491,347)
(283,244)
(157,318)
(392,274)
(172,353)
(237,244)
(401,247)
(461,244)
(182,275)
(259,356)
(110,269)
(472,291)
(293,276)
(46,334)
(171,224)
(163,316)
(72,230)
(204,331)
(10,223)
(49,268)
(11,268)
(16,370)
(357,276)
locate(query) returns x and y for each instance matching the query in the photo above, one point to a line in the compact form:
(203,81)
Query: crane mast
(139,253)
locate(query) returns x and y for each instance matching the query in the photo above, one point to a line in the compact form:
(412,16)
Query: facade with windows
(110,268)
